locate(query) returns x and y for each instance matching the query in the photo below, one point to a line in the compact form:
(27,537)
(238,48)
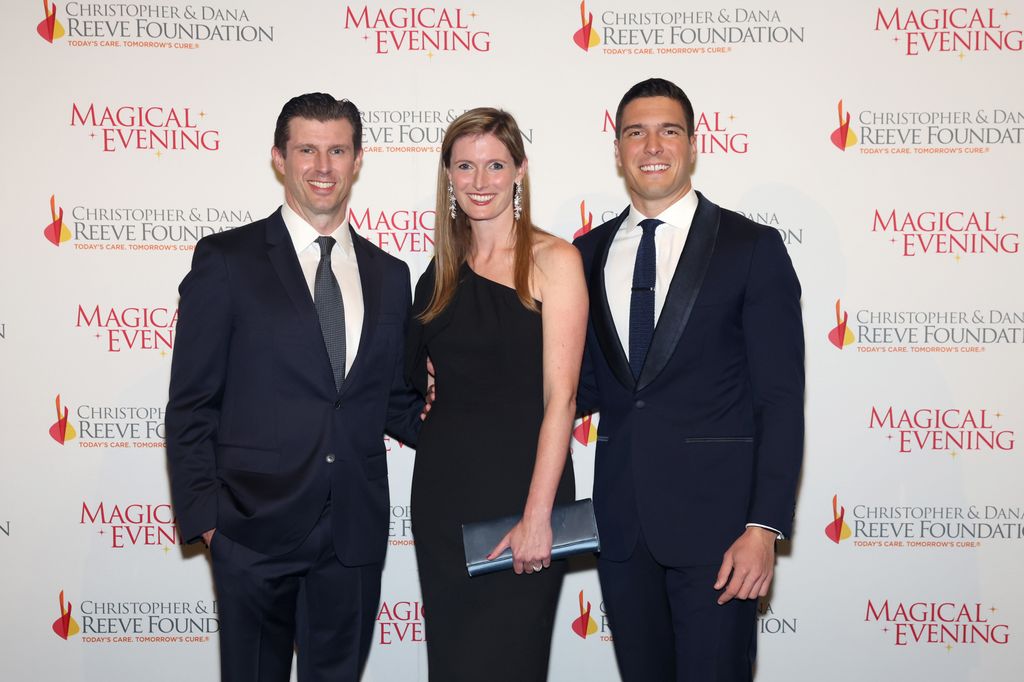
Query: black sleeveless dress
(474,462)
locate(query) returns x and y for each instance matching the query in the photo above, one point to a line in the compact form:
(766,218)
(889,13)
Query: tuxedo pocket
(249,459)
(723,439)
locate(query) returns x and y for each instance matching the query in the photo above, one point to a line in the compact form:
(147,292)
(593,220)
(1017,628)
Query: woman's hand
(530,540)
(431,390)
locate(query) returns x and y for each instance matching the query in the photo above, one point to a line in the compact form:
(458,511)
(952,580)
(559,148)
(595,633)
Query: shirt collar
(303,234)
(679,214)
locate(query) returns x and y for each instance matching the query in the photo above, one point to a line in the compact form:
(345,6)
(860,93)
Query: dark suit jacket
(254,416)
(710,437)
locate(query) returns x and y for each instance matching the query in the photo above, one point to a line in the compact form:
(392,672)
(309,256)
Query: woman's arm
(558,278)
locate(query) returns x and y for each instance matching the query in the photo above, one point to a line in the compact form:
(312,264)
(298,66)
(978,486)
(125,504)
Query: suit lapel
(683,291)
(282,256)
(604,325)
(286,264)
(370,279)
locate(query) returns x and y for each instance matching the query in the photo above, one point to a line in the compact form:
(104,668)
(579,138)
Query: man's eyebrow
(340,145)
(667,124)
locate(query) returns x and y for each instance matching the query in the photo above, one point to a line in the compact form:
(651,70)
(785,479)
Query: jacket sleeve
(198,370)
(416,336)
(774,340)
(404,403)
(587,393)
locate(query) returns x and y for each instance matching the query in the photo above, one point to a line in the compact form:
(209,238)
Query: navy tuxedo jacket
(710,437)
(257,434)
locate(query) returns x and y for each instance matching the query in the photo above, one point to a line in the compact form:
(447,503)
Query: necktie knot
(648,225)
(326,244)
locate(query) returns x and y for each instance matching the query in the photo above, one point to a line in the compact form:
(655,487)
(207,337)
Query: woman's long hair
(453,237)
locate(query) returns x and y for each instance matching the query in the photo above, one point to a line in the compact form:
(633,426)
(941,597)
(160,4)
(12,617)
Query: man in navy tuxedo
(694,359)
(287,371)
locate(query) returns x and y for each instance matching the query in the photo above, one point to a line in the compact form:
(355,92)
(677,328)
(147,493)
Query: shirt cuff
(778,535)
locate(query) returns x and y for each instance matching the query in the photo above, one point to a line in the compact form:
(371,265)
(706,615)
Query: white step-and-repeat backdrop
(882,140)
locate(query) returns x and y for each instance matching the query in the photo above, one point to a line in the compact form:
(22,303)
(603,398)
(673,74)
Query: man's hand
(208,536)
(751,561)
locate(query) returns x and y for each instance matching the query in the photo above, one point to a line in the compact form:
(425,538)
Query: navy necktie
(330,308)
(641,302)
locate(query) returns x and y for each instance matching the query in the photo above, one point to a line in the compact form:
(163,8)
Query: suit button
(640,404)
(337,404)
(330,458)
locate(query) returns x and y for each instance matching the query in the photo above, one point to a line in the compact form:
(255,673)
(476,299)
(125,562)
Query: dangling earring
(451,201)
(517,201)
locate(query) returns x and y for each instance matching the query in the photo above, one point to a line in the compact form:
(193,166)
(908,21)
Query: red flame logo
(585,432)
(837,530)
(843,137)
(65,626)
(584,625)
(586,37)
(56,232)
(841,336)
(586,221)
(62,431)
(49,29)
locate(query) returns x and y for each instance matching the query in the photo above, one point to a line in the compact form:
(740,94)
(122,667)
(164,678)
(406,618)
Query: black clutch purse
(573,531)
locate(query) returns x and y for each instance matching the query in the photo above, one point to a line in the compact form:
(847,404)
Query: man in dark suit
(287,371)
(694,358)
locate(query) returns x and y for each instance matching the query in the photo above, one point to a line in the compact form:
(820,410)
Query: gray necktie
(331,310)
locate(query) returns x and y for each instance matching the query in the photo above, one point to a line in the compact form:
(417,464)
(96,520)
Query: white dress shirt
(669,239)
(344,266)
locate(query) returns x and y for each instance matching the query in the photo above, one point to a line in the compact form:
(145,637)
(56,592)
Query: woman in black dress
(501,313)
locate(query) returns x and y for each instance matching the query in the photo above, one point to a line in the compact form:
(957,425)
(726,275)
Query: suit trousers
(667,625)
(305,601)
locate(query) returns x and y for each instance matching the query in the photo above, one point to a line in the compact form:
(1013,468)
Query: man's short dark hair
(655,87)
(318,106)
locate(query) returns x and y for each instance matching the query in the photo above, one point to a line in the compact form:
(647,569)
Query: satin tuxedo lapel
(682,293)
(683,290)
(370,278)
(601,313)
